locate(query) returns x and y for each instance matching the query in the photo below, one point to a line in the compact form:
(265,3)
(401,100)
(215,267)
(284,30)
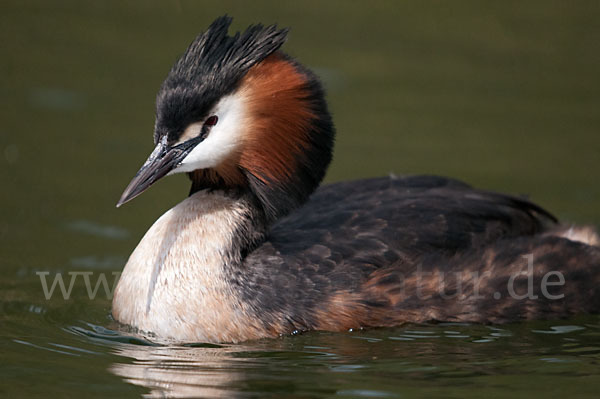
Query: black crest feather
(210,68)
(232,56)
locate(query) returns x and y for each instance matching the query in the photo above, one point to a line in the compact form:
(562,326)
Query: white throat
(224,139)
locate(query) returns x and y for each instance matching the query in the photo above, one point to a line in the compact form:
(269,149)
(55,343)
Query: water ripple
(97,229)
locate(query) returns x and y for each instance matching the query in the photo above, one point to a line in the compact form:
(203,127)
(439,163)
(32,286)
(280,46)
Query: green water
(505,95)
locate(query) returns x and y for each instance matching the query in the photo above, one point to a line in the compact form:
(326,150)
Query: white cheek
(222,141)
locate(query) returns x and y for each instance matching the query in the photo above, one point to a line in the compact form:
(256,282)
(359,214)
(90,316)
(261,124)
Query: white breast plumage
(174,283)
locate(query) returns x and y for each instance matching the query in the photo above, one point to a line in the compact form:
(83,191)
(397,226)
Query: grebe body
(257,250)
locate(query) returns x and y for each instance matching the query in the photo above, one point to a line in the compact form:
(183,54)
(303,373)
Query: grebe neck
(177,282)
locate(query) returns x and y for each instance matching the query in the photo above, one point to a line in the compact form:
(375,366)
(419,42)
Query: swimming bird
(258,250)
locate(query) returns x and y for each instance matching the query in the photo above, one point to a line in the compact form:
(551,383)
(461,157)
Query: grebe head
(236,113)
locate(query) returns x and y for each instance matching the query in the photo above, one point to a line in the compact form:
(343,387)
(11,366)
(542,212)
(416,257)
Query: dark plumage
(366,241)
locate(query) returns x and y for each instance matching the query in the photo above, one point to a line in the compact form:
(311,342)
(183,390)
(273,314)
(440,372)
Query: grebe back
(257,250)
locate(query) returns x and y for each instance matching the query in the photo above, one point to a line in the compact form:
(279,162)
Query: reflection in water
(198,370)
(180,371)
(388,362)
(224,371)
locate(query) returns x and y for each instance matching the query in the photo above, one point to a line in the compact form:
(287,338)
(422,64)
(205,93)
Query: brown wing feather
(339,261)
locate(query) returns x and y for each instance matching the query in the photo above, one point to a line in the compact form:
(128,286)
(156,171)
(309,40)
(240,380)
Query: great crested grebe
(256,250)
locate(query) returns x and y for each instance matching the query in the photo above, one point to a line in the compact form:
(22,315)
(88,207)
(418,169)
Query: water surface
(503,95)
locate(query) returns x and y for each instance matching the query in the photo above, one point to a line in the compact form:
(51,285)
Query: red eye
(211,121)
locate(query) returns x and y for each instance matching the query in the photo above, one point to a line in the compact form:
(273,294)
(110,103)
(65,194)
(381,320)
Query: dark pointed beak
(162,160)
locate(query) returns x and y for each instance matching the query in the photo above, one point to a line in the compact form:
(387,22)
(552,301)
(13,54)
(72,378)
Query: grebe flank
(256,250)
